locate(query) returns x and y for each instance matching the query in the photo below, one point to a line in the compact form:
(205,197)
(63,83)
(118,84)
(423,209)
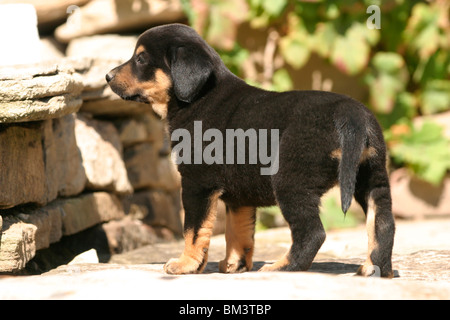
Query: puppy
(324,139)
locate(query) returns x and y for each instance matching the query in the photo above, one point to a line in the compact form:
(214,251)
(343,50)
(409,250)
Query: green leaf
(422,31)
(436,97)
(189,11)
(324,38)
(263,11)
(282,81)
(332,216)
(295,52)
(387,81)
(405,108)
(435,173)
(274,7)
(350,53)
(234,59)
(429,132)
(383,93)
(223,19)
(295,46)
(390,62)
(426,151)
(332,11)
(437,67)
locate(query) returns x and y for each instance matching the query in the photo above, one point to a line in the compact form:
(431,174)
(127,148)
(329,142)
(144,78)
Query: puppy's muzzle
(110,76)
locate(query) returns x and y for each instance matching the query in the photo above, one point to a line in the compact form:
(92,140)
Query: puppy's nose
(110,76)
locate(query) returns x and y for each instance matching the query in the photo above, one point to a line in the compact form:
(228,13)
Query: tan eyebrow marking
(140,49)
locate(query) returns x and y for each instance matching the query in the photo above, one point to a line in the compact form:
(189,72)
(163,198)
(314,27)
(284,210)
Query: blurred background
(393,55)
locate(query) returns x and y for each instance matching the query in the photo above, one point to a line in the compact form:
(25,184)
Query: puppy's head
(169,62)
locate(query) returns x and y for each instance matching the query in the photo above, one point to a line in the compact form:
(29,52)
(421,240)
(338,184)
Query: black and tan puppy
(324,139)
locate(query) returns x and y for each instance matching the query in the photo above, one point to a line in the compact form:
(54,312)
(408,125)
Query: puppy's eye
(140,60)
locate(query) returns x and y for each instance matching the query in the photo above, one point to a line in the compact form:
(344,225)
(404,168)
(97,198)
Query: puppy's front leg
(200,214)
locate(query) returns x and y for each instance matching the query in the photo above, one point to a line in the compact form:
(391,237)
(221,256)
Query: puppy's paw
(279,265)
(240,266)
(369,270)
(183,265)
(270,267)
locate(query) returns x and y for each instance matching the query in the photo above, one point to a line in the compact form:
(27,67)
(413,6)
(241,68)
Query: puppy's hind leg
(302,213)
(373,194)
(298,186)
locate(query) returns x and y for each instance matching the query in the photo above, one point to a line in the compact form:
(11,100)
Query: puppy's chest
(249,198)
(244,186)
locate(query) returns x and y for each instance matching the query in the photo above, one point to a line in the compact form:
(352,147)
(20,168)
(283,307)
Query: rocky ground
(421,262)
(57,110)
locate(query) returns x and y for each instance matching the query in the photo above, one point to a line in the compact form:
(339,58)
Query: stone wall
(68,165)
(75,157)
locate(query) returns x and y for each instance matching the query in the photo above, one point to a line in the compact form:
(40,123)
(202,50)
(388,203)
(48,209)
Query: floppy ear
(190,70)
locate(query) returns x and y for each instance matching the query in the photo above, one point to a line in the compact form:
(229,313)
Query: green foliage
(387,80)
(234,58)
(405,64)
(332,216)
(424,150)
(262,12)
(435,96)
(268,217)
(282,81)
(217,20)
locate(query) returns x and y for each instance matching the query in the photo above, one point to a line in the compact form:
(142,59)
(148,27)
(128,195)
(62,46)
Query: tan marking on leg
(370,227)
(277,266)
(239,235)
(195,255)
(368,268)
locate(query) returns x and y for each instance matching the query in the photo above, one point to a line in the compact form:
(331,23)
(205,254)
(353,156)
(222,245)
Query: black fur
(312,125)
(351,129)
(190,70)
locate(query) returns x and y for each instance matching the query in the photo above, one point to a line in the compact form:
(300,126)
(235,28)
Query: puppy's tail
(352,135)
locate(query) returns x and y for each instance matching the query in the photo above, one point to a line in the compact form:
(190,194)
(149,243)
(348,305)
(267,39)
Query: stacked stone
(72,154)
(69,166)
(74,157)
(39,156)
(146,149)
(37,92)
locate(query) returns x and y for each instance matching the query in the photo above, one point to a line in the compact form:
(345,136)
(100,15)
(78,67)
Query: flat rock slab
(106,281)
(421,260)
(22,234)
(39,92)
(39,87)
(108,16)
(425,258)
(37,110)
